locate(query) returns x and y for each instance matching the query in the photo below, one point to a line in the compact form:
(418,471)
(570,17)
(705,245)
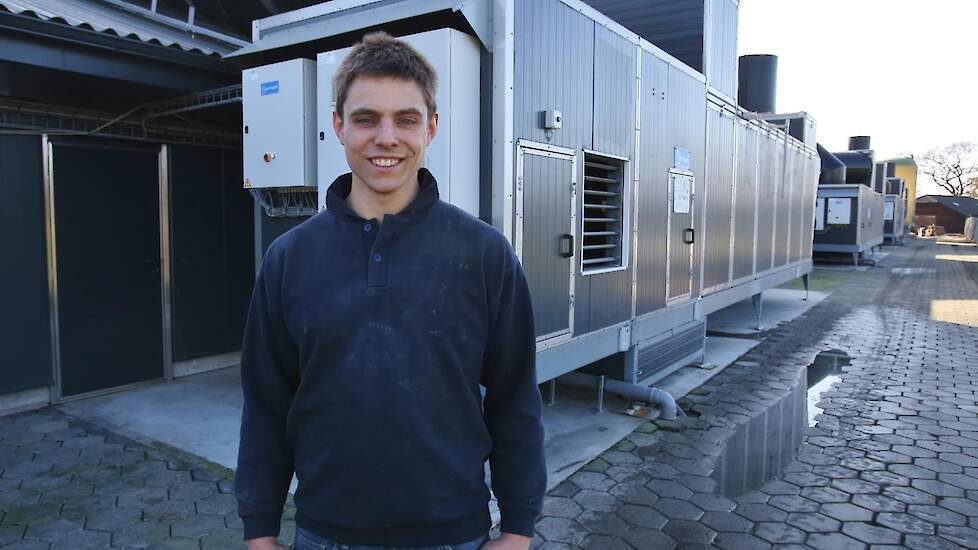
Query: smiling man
(371,329)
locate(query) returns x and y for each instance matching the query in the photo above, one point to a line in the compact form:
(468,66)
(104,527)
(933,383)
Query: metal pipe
(633,392)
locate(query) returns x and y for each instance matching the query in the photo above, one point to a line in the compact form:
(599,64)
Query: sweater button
(377,257)
(368,228)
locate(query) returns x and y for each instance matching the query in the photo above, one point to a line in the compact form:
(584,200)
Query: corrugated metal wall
(610,294)
(656,159)
(808,220)
(721,65)
(871,211)
(783,200)
(746,195)
(768,175)
(687,125)
(716,204)
(797,190)
(554,69)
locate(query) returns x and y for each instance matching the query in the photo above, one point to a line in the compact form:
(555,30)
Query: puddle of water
(825,371)
(913,270)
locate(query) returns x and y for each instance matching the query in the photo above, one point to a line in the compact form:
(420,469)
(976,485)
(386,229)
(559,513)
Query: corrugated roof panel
(676,26)
(109,19)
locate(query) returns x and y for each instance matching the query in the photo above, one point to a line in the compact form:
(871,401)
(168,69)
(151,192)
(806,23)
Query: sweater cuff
(261,525)
(519,521)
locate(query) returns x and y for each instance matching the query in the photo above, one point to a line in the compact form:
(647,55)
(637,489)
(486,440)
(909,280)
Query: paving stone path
(69,484)
(892,462)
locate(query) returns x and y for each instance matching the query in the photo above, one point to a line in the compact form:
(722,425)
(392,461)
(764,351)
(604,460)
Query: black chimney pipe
(757,82)
(859,143)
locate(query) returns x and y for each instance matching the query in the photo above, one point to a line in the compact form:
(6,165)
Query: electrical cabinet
(279,116)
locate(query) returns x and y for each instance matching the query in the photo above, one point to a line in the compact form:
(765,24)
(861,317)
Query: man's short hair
(380,54)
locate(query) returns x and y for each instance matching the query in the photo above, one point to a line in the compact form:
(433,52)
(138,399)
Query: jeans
(304,540)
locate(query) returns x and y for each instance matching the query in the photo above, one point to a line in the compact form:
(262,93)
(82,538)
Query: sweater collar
(427,196)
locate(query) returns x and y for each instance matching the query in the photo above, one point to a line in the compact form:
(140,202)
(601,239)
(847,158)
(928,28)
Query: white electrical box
(839,211)
(453,156)
(278,104)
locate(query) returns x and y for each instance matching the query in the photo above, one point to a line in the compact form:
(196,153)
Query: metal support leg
(804,281)
(855,259)
(756,300)
(601,393)
(552,398)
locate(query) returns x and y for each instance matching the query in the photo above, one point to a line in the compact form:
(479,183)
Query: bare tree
(954,168)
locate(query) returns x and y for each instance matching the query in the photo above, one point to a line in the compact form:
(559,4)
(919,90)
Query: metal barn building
(606,144)
(129,245)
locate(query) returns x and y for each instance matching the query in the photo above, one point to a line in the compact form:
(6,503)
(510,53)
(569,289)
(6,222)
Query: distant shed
(951,212)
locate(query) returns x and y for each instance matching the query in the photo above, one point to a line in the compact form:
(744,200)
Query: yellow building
(906,168)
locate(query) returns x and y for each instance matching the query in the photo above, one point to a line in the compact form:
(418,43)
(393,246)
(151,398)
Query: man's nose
(386,134)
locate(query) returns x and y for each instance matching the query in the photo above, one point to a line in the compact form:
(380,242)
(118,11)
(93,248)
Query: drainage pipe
(632,392)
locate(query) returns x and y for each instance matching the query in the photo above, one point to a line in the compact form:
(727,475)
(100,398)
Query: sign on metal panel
(682,189)
(888,211)
(681,158)
(820,215)
(839,212)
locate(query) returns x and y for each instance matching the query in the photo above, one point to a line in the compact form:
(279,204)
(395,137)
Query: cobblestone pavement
(69,484)
(892,462)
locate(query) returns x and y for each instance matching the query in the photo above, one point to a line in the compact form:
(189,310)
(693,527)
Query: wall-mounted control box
(278,104)
(552,120)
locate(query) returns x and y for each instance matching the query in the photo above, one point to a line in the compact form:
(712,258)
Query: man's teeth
(385,162)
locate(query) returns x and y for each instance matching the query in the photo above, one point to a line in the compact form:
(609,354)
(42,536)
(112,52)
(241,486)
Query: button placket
(376,260)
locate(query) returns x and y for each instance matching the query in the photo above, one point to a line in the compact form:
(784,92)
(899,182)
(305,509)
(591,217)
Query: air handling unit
(848,211)
(603,139)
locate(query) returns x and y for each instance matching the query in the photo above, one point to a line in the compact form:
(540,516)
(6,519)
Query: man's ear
(432,127)
(338,126)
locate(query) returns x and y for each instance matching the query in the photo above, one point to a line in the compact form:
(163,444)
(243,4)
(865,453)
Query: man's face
(385,130)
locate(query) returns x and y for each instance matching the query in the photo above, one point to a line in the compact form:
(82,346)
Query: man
(371,328)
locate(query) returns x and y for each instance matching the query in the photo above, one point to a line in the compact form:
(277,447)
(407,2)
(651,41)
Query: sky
(903,72)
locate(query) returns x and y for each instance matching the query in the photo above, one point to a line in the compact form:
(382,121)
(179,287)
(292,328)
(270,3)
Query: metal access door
(545,235)
(682,236)
(107,255)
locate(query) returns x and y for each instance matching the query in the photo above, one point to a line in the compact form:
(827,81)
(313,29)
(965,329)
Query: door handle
(569,240)
(689,235)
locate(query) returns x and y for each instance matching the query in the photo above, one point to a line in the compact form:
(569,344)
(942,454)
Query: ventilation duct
(833,169)
(859,166)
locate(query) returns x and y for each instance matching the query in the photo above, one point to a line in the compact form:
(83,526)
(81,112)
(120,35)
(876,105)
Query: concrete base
(202,415)
(720,353)
(780,305)
(24,400)
(206,364)
(199,414)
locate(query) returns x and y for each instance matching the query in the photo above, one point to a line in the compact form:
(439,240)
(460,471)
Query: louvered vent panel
(603,212)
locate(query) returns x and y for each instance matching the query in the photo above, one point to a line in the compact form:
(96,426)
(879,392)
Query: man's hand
(507,541)
(265,543)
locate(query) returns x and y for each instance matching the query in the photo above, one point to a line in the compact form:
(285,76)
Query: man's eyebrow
(411,111)
(364,111)
(371,112)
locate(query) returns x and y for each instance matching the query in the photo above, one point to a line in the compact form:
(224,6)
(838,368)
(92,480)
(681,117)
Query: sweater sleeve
(269,376)
(512,403)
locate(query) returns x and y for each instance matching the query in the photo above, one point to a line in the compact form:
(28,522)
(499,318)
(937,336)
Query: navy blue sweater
(363,355)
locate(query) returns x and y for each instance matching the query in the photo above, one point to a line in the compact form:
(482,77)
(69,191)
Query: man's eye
(362,120)
(409,121)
